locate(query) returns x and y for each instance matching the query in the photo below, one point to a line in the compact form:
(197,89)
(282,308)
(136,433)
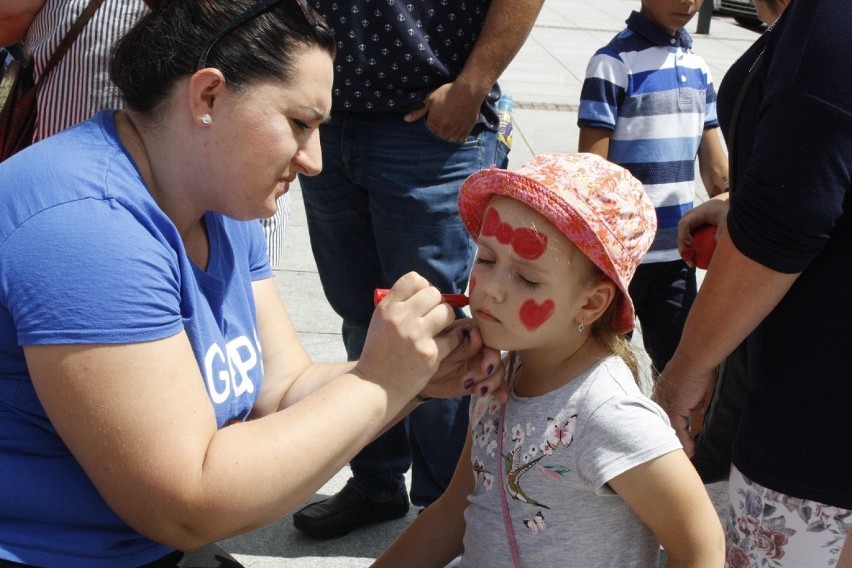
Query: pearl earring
(206,119)
(581,327)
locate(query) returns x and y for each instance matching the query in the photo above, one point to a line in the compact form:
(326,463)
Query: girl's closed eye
(525,281)
(481,260)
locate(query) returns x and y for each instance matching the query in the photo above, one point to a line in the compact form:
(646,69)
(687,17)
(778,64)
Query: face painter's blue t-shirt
(87,257)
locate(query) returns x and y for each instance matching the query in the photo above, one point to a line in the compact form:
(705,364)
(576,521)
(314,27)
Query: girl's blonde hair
(603,328)
(615,343)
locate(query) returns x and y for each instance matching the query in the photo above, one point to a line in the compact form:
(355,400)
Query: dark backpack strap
(69,38)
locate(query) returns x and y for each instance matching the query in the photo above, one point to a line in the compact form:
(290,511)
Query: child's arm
(436,535)
(595,140)
(667,494)
(713,163)
(845,560)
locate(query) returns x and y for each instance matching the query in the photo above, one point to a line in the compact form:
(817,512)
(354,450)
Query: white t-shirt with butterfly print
(559,451)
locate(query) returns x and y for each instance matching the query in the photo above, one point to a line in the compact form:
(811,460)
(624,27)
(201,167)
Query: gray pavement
(545,80)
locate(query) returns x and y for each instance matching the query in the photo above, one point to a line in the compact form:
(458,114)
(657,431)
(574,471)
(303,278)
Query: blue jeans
(386,204)
(662,293)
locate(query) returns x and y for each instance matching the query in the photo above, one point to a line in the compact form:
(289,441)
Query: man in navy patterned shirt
(413,115)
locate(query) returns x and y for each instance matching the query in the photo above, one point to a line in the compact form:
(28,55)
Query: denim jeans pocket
(473,139)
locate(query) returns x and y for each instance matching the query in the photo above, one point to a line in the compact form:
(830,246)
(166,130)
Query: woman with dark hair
(154,396)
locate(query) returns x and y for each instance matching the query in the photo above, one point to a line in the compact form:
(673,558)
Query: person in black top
(780,276)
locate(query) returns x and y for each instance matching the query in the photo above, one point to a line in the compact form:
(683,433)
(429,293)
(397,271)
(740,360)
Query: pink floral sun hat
(598,205)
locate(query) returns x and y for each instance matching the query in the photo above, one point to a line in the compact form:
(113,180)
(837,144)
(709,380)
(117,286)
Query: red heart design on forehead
(491,223)
(527,243)
(504,234)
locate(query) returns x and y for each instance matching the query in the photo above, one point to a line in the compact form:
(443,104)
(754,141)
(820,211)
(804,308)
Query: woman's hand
(685,397)
(711,212)
(406,341)
(472,367)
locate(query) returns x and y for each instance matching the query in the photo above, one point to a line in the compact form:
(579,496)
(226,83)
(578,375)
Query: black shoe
(347,511)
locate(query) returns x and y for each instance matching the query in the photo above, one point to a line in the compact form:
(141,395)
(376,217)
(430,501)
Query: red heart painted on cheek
(534,314)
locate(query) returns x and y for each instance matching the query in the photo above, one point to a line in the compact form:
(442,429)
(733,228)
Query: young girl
(578,468)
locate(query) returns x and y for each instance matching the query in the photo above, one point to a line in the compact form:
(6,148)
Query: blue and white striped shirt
(657,97)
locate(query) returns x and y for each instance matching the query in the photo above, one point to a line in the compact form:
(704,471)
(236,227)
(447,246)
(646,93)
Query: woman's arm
(141,424)
(436,535)
(285,359)
(732,280)
(290,375)
(15,19)
(667,494)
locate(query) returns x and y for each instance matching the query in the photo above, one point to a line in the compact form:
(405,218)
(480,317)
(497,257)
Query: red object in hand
(455,300)
(703,245)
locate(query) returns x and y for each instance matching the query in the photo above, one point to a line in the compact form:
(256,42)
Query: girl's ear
(599,296)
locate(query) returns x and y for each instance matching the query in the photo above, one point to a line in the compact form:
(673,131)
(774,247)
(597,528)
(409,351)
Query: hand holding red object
(455,300)
(703,245)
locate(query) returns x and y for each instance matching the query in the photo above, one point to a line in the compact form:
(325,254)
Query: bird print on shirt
(514,470)
(557,434)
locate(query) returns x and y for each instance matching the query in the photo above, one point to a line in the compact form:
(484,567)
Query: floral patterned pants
(765,528)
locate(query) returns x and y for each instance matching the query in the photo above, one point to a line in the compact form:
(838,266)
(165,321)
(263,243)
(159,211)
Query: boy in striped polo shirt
(648,104)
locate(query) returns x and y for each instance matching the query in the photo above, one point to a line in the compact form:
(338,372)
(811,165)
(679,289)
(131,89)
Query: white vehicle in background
(743,11)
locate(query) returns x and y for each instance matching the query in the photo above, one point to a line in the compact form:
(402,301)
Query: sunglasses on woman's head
(253,12)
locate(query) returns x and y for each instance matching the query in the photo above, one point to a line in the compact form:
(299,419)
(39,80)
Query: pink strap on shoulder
(512,372)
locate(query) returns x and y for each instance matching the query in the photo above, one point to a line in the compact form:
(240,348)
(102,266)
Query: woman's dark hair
(168,43)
